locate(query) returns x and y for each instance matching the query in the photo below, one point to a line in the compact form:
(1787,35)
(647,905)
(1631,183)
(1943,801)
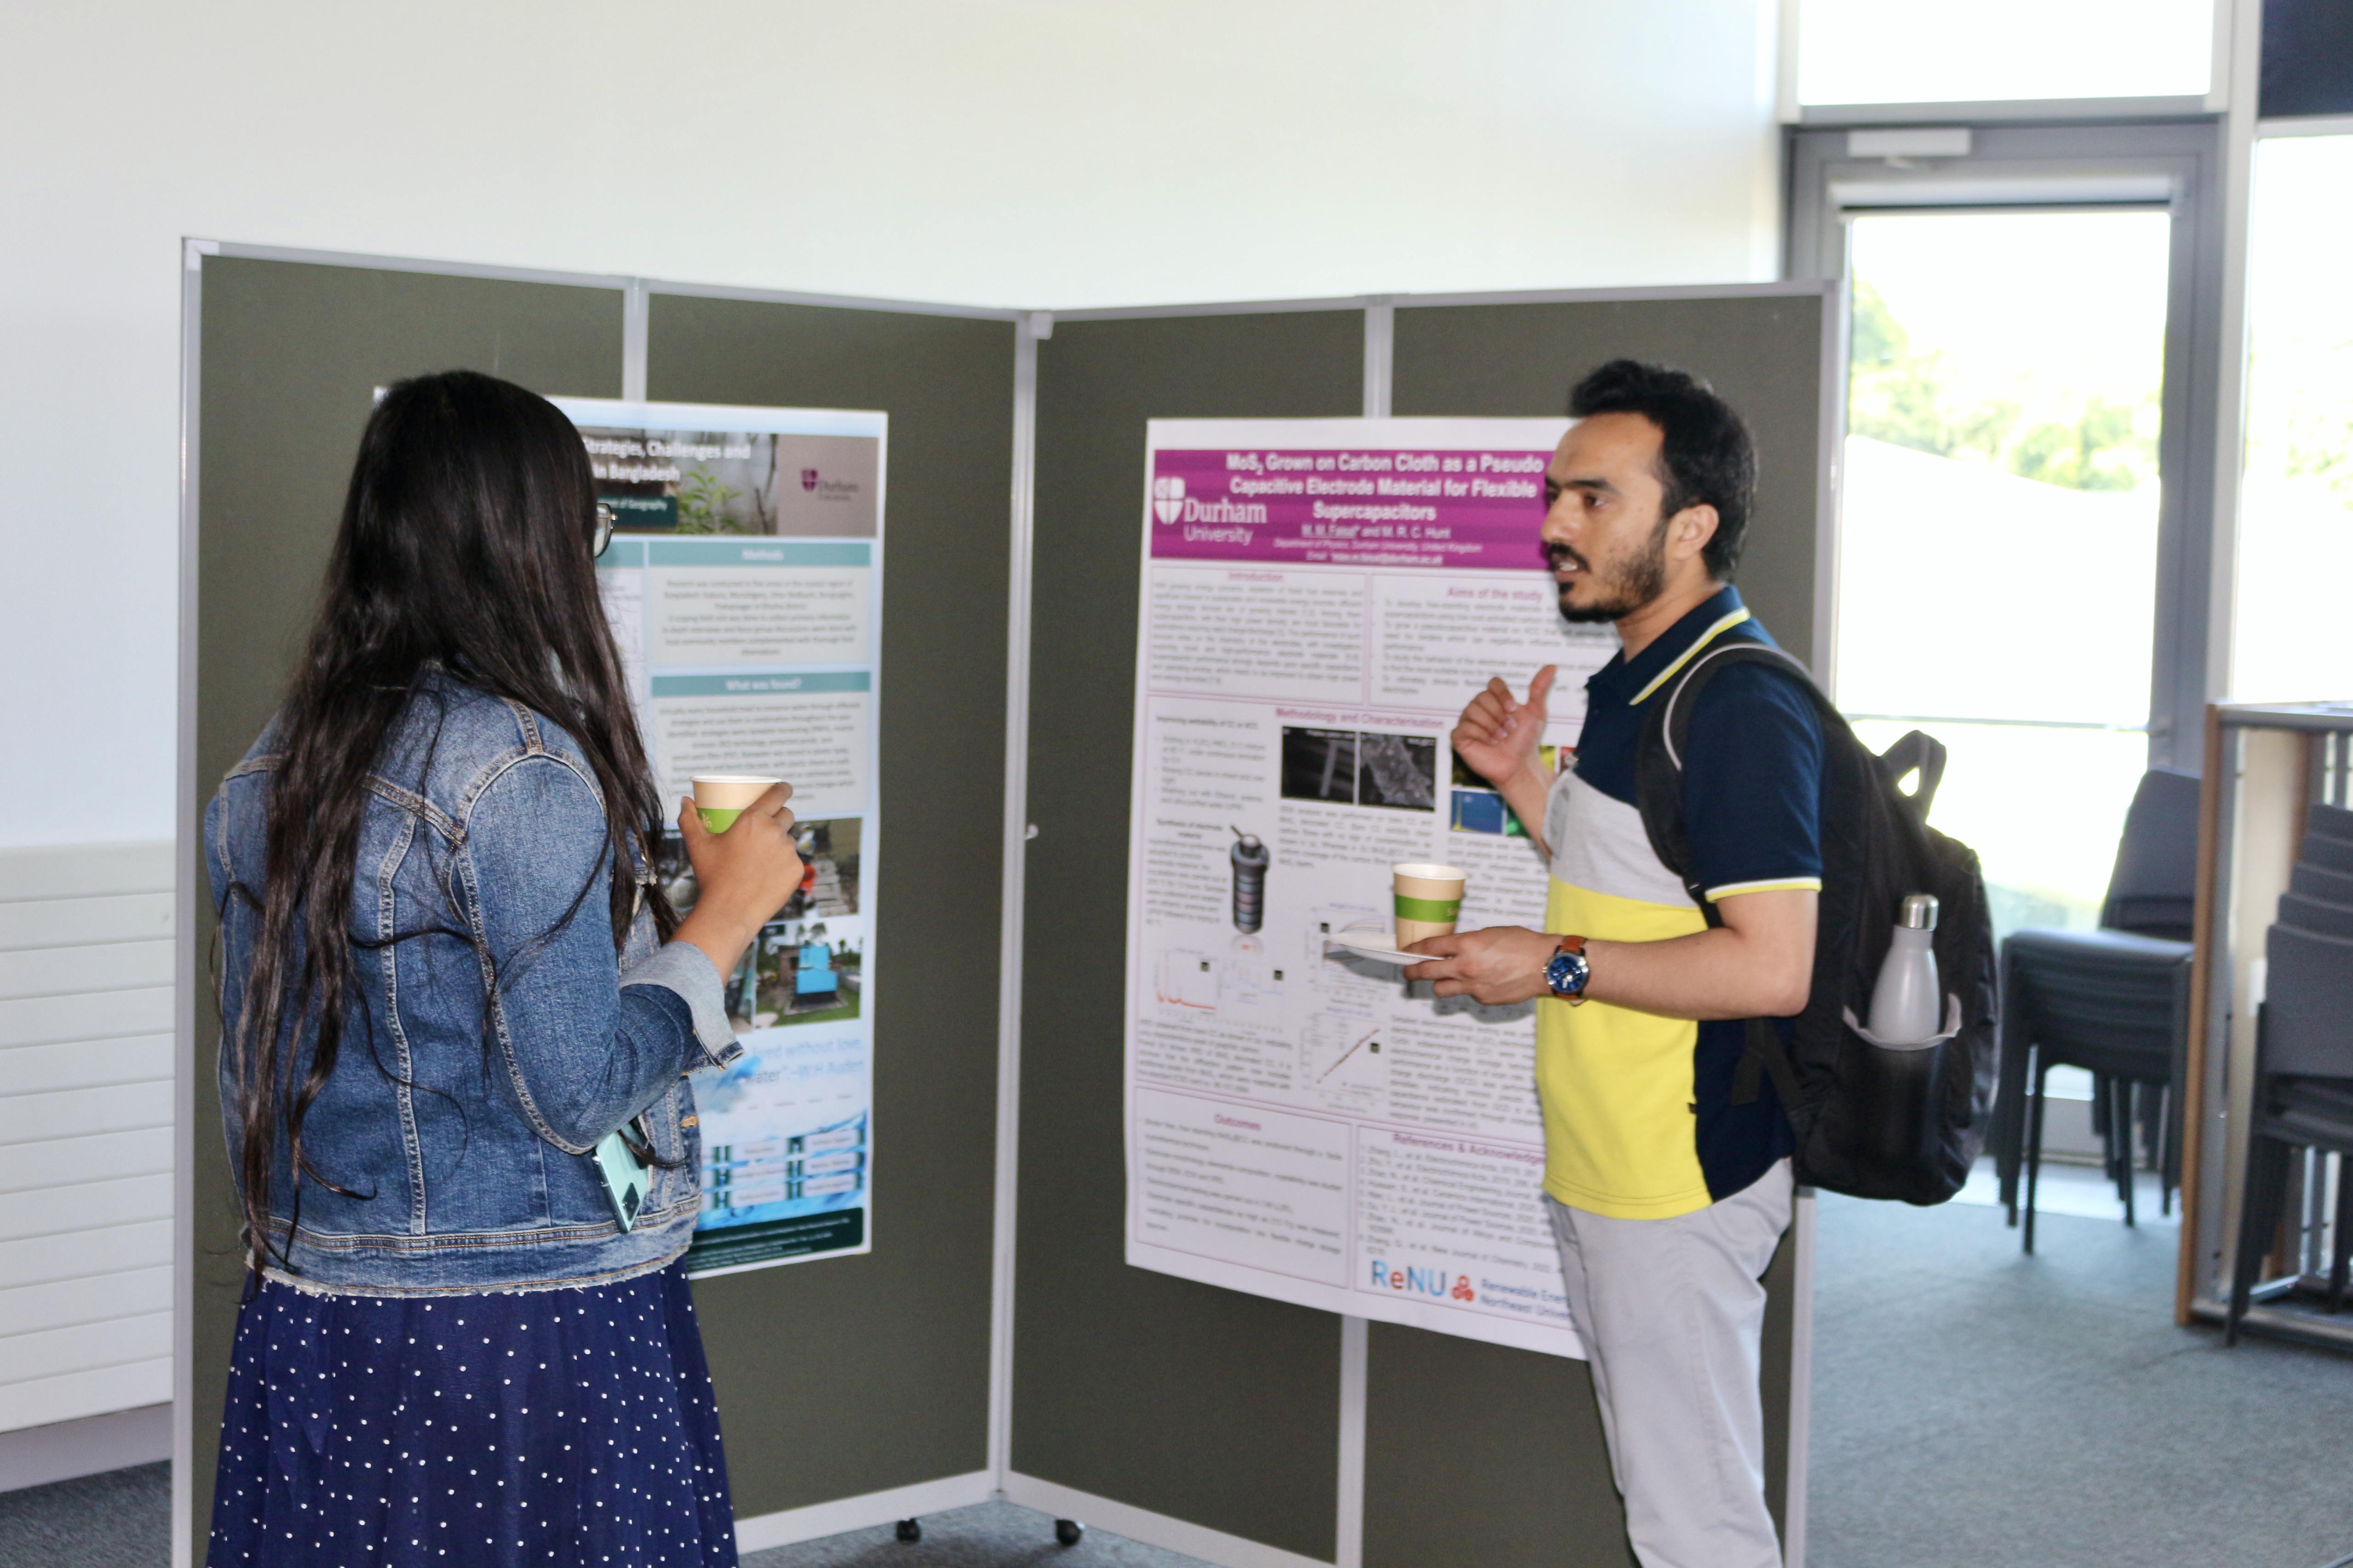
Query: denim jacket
(463,1153)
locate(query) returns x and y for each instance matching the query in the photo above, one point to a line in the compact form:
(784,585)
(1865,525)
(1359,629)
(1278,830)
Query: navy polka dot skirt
(547,1427)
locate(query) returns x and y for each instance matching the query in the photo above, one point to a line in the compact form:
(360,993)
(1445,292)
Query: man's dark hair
(1706,459)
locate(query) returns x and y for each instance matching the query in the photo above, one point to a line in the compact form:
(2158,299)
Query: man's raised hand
(1497,734)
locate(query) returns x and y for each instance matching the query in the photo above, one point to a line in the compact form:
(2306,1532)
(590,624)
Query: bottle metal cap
(1919,912)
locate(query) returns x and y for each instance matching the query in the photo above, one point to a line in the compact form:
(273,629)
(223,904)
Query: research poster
(1320,599)
(744,586)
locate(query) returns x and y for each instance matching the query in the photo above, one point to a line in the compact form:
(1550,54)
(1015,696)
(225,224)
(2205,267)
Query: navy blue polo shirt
(1637,1117)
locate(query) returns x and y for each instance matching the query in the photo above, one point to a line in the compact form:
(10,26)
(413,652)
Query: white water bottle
(1905,1008)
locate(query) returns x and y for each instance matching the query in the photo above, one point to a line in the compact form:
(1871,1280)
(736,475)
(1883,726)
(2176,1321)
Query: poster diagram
(1320,599)
(744,585)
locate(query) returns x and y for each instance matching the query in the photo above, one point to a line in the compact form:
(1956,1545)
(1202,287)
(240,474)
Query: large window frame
(2177,165)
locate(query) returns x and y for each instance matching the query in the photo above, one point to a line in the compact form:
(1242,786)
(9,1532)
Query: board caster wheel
(1069,1531)
(910,1530)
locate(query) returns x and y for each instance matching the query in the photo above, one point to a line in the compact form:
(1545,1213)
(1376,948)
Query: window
(1997,574)
(2295,509)
(1938,52)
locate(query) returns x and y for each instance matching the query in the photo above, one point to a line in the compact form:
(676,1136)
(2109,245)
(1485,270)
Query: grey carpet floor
(1976,1408)
(120,1519)
(1973,1408)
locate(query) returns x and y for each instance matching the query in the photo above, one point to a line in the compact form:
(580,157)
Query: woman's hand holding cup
(744,872)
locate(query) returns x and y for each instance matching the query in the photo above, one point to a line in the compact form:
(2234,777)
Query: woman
(447,976)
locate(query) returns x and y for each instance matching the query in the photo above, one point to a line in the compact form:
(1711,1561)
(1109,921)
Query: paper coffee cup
(720,798)
(1428,899)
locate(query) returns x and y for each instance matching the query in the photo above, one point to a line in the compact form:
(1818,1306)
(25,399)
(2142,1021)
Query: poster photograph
(744,586)
(1320,599)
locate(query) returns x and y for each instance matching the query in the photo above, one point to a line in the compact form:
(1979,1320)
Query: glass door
(1999,535)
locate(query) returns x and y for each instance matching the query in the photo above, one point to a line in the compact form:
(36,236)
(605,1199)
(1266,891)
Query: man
(1666,1198)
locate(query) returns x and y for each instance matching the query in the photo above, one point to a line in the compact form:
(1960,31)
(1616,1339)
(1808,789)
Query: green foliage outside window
(2304,431)
(1914,399)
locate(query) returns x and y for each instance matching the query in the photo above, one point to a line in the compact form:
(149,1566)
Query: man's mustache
(1558,553)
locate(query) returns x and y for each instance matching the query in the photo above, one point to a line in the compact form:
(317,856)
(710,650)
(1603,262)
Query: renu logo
(1410,1281)
(1168,498)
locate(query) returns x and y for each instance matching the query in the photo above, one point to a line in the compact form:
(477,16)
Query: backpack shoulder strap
(1659,754)
(1682,698)
(1658,787)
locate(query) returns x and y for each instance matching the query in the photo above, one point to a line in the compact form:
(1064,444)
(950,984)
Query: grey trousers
(1673,1315)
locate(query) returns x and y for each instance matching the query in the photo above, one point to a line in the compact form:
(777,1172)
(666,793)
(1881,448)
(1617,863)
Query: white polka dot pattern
(552,1428)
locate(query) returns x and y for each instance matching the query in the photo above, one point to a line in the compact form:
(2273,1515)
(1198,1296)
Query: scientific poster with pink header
(1320,598)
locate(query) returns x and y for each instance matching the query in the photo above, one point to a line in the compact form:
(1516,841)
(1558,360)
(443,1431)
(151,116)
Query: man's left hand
(1496,966)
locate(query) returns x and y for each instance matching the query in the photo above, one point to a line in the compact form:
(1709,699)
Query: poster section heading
(1300,1125)
(1368,507)
(742,589)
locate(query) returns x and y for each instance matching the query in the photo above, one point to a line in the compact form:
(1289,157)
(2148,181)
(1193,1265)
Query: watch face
(1566,974)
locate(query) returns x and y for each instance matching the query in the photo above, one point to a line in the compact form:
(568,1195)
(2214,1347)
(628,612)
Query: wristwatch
(1569,971)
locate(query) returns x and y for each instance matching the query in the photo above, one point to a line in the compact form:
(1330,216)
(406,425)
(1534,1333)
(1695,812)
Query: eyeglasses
(603,534)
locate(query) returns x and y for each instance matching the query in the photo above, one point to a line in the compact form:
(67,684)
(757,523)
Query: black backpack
(1870,1122)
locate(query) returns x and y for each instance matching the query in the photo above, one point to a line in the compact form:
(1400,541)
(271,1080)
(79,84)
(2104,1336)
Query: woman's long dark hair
(464,553)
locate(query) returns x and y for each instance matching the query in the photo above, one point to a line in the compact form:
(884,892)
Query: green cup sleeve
(1426,909)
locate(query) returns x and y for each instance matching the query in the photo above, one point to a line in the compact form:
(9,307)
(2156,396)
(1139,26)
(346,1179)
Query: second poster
(744,587)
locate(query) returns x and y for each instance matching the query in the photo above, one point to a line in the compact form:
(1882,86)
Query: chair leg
(2116,1142)
(2340,1233)
(2121,1119)
(2132,1160)
(2012,1177)
(2103,1122)
(2258,1219)
(2165,1152)
(2033,1151)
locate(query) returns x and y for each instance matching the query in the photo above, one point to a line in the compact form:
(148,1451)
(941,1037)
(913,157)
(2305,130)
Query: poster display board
(744,584)
(1320,599)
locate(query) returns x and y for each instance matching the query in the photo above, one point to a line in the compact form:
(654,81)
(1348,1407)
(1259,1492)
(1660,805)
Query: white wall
(1037,153)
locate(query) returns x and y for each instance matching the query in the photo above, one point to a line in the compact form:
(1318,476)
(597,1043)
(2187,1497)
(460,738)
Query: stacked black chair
(2115,1002)
(2304,1055)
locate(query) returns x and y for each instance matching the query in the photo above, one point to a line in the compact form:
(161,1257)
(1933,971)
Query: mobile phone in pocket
(623,1162)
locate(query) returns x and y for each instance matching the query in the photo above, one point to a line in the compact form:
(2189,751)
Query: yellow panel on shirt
(1617,1083)
(1621,1136)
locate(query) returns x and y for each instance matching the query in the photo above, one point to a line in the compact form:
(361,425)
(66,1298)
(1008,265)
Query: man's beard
(1633,585)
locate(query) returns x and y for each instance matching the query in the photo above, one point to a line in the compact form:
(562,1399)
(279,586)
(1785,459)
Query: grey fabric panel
(1780,1309)
(850,1375)
(291,356)
(1208,1405)
(1480,1454)
(1762,354)
(1475,1453)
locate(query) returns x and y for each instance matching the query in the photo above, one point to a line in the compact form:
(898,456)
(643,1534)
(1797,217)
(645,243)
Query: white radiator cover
(86,1090)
